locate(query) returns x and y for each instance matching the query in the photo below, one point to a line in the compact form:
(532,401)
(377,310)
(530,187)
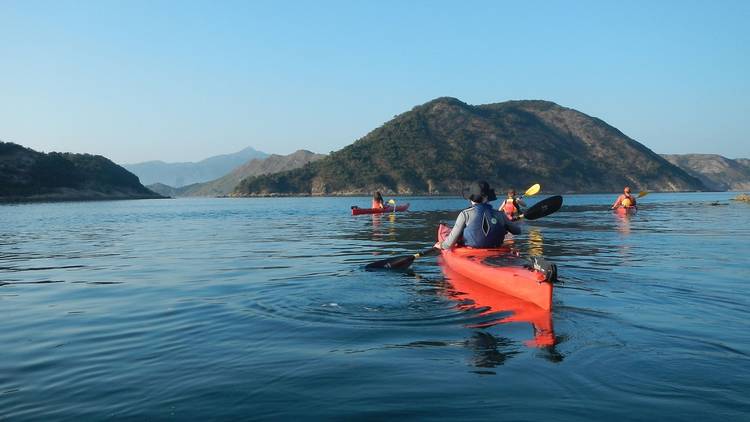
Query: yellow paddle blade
(391,201)
(533,190)
(642,193)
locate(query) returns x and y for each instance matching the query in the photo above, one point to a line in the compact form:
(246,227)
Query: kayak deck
(499,269)
(359,211)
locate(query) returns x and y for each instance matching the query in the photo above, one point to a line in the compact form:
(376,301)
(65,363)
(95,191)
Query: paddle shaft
(540,209)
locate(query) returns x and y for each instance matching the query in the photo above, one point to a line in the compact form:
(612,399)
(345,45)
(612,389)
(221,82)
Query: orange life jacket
(509,208)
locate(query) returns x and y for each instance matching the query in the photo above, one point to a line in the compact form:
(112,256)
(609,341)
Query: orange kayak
(500,269)
(626,210)
(509,308)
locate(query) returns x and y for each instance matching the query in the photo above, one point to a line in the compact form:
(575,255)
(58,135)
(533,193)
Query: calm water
(260,309)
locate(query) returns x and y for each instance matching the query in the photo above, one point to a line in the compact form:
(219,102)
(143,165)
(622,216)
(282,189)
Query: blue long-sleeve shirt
(467,216)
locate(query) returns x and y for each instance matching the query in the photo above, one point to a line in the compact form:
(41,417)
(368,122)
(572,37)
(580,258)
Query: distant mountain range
(28,175)
(716,172)
(443,145)
(224,185)
(181,174)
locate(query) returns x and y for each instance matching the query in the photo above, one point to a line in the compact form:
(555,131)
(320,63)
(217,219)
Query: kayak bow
(502,270)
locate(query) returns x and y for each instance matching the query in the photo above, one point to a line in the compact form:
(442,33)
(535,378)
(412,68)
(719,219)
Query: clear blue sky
(181,81)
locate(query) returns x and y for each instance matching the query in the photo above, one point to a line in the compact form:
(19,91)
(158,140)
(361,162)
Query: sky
(182,80)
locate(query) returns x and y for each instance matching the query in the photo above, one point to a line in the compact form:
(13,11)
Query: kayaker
(625,200)
(480,226)
(512,205)
(377,201)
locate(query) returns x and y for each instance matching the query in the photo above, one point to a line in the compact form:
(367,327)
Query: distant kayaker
(512,206)
(480,226)
(377,201)
(625,200)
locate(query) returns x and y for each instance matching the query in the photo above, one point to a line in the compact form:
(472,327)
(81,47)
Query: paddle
(400,262)
(533,190)
(541,209)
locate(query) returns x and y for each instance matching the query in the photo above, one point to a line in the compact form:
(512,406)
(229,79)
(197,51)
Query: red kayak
(360,211)
(491,301)
(625,210)
(501,270)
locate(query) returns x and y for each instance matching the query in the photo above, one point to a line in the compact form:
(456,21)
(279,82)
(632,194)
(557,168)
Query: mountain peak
(444,144)
(450,101)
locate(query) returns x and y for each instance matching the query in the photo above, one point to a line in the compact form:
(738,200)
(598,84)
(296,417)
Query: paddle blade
(400,262)
(391,201)
(544,208)
(395,263)
(642,193)
(533,190)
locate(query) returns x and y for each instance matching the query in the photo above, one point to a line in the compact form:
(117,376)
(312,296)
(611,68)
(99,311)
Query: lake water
(260,309)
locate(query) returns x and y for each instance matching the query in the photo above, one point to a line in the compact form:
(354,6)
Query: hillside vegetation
(29,175)
(441,146)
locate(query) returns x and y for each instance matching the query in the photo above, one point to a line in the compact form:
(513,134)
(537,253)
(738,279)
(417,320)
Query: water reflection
(381,231)
(623,222)
(500,307)
(490,351)
(536,242)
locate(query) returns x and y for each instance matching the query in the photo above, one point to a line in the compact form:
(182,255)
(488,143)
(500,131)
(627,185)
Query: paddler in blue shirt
(480,226)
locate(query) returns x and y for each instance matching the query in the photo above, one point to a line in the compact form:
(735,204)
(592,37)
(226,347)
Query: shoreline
(82,198)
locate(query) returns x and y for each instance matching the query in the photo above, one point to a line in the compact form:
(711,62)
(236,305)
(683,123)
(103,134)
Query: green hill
(441,146)
(27,175)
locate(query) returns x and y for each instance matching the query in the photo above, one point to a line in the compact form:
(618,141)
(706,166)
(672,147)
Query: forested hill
(28,175)
(441,146)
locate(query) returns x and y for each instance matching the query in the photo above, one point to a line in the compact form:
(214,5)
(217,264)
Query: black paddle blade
(396,263)
(544,208)
(400,262)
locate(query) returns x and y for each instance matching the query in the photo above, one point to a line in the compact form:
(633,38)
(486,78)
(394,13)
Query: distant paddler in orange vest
(377,201)
(513,206)
(626,200)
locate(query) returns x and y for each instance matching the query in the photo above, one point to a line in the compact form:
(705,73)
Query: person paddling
(480,226)
(377,201)
(625,200)
(512,205)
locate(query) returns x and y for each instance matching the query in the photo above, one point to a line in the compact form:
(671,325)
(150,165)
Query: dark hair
(481,190)
(378,197)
